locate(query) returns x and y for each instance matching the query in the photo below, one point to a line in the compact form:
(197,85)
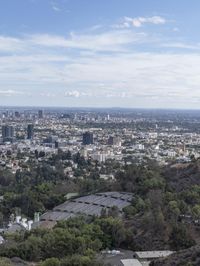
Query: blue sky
(100,53)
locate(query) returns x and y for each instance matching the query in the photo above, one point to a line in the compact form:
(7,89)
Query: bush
(51,262)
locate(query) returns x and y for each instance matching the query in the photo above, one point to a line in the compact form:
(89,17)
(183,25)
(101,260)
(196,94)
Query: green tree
(5,262)
(51,262)
(180,238)
(196,211)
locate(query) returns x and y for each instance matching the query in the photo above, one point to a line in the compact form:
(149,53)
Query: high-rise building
(7,133)
(30,131)
(17,114)
(111,140)
(40,114)
(88,138)
(51,139)
(116,141)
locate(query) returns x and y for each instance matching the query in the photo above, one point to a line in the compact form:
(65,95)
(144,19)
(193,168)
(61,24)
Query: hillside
(188,257)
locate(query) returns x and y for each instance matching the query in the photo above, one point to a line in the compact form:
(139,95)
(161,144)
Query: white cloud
(127,76)
(48,94)
(9,93)
(133,77)
(140,21)
(75,94)
(107,67)
(175,29)
(113,40)
(10,44)
(55,7)
(138,75)
(107,41)
(182,45)
(58,7)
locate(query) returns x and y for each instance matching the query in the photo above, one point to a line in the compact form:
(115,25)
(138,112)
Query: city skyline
(135,54)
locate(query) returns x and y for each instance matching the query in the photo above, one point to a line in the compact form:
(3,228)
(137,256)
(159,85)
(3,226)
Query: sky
(100,53)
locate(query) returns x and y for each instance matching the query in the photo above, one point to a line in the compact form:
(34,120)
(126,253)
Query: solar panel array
(88,205)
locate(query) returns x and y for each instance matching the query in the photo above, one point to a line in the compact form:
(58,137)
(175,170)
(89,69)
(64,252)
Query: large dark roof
(88,205)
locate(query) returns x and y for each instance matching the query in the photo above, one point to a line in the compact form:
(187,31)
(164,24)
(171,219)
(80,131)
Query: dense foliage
(75,239)
(41,185)
(156,218)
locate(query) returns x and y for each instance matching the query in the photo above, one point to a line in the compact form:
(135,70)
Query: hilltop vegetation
(163,196)
(75,240)
(188,257)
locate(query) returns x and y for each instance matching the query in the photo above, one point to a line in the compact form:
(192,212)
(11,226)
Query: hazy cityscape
(123,135)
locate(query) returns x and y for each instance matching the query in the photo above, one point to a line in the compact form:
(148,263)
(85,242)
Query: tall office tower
(111,140)
(7,133)
(116,141)
(17,114)
(40,114)
(30,131)
(88,138)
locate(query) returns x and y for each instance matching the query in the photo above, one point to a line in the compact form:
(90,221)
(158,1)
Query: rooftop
(131,262)
(153,254)
(88,205)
